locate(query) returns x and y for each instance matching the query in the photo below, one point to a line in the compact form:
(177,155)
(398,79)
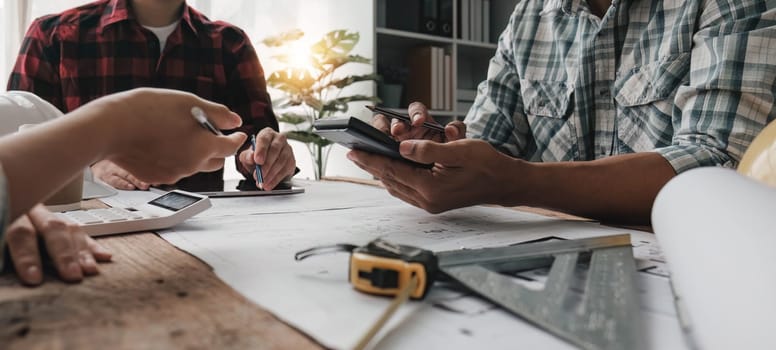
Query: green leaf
(335,43)
(341,104)
(293,118)
(308,137)
(282,38)
(330,66)
(292,80)
(346,81)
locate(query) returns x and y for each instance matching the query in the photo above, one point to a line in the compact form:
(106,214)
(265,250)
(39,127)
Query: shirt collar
(567,7)
(118,11)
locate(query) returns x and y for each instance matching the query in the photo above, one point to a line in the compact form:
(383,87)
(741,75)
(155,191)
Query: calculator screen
(174,201)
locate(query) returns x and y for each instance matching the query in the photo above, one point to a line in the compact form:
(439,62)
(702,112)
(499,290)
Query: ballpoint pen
(259,178)
(404,118)
(201,118)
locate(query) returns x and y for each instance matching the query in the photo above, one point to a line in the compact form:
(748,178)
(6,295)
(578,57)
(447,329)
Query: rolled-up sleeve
(730,96)
(497,113)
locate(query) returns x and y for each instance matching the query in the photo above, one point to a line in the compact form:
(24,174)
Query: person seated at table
(115,128)
(110,46)
(589,108)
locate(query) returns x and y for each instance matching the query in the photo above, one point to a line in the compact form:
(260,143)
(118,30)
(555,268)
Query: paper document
(254,253)
(718,232)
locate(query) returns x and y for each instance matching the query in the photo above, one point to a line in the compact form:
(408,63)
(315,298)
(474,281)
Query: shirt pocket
(652,82)
(546,98)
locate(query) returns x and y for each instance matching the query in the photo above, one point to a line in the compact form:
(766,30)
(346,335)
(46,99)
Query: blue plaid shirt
(692,80)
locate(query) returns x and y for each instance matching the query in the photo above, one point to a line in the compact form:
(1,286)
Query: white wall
(262,18)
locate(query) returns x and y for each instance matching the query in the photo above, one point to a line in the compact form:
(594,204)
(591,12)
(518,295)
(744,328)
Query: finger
(455,130)
(98,251)
(263,144)
(418,113)
(246,159)
(225,146)
(426,152)
(59,244)
(276,145)
(22,243)
(380,122)
(85,258)
(382,167)
(120,183)
(136,182)
(283,167)
(220,115)
(399,129)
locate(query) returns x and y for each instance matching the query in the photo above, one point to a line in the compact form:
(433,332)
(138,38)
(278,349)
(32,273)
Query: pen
(402,117)
(201,118)
(259,178)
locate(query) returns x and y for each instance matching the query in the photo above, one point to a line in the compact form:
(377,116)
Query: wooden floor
(153,296)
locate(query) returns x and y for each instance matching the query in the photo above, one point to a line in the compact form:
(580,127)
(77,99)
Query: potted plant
(312,87)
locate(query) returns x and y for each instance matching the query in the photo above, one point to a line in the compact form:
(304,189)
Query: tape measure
(605,316)
(385,268)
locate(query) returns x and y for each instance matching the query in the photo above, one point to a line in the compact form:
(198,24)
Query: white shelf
(470,58)
(476,44)
(412,35)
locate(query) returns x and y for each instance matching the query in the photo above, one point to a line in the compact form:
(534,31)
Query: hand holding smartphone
(356,134)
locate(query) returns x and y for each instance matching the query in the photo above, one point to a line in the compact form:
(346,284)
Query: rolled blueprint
(717,230)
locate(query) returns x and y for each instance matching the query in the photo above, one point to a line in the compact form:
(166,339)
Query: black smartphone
(356,134)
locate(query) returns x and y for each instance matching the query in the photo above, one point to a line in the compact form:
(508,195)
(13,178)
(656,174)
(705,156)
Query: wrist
(114,124)
(514,179)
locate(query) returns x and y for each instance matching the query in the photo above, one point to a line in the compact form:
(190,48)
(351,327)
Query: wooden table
(153,296)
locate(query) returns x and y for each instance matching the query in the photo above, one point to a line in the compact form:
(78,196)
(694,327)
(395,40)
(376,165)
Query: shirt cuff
(686,157)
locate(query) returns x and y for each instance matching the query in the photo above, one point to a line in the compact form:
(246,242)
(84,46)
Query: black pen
(404,118)
(201,118)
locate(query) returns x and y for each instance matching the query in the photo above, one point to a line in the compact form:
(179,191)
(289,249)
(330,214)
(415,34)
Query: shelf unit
(469,58)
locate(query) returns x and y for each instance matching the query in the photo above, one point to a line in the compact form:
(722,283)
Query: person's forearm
(39,161)
(617,189)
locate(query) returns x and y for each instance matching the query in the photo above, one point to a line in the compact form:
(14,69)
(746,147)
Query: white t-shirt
(163,33)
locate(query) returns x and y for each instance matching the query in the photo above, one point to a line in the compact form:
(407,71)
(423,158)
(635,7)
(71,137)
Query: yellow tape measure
(385,268)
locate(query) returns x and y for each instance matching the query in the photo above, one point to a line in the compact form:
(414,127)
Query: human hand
(418,112)
(466,172)
(117,177)
(73,253)
(275,156)
(158,141)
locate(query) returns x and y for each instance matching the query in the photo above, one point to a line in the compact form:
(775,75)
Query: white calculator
(162,212)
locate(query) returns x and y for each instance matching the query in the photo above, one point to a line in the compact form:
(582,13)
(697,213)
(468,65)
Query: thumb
(426,151)
(228,145)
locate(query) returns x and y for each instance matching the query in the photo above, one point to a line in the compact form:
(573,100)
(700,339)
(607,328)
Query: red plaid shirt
(98,49)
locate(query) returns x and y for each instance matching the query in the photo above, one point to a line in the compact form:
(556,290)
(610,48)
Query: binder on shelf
(446,18)
(465,16)
(421,75)
(429,12)
(448,83)
(398,17)
(476,20)
(439,79)
(486,21)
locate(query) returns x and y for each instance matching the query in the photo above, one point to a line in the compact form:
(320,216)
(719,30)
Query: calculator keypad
(96,216)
